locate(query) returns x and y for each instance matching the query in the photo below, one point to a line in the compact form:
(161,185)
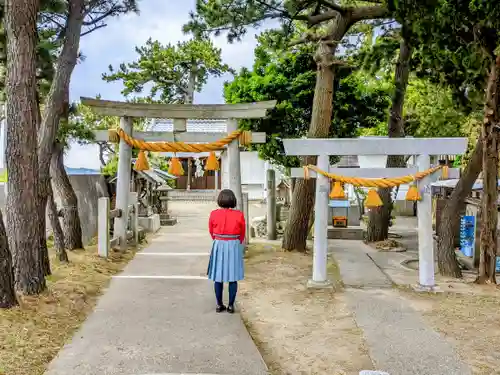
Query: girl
(227,228)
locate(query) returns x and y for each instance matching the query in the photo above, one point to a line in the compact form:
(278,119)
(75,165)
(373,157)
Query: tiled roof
(195,126)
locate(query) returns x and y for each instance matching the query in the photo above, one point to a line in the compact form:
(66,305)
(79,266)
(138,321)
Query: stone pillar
(103,227)
(217,187)
(234,165)
(271,204)
(425,234)
(189,173)
(123,184)
(320,255)
(246,213)
(135,217)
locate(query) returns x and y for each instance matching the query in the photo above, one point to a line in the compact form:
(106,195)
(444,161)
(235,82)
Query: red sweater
(227,221)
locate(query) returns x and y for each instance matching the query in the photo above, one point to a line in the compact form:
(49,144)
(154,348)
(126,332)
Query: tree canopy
(289,78)
(168,69)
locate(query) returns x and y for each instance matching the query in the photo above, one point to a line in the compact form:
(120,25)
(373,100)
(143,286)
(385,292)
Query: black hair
(226,199)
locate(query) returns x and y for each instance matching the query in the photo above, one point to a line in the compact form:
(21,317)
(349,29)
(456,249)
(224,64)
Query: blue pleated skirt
(226,260)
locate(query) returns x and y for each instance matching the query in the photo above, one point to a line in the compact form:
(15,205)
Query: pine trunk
(378,224)
(56,227)
(7,293)
(296,230)
(42,245)
(448,225)
(303,195)
(57,102)
(71,219)
(21,151)
(489,213)
(300,211)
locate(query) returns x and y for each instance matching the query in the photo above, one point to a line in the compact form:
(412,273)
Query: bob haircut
(226,199)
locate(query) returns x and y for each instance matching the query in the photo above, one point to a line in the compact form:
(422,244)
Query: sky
(161,20)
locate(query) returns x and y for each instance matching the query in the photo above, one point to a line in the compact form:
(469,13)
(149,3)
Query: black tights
(219,288)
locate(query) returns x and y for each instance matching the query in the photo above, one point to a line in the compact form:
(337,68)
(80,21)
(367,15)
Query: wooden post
(246,213)
(189,173)
(320,255)
(234,165)
(271,204)
(103,227)
(123,184)
(134,220)
(425,235)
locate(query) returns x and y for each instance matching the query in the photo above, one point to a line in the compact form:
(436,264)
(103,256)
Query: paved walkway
(399,340)
(158,316)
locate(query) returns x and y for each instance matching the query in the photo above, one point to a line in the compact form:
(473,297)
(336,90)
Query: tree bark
(7,294)
(101,146)
(449,223)
(71,219)
(57,103)
(379,219)
(296,230)
(56,227)
(295,235)
(489,213)
(44,250)
(21,151)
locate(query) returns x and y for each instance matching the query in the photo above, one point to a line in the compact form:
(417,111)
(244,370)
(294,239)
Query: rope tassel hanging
(413,194)
(142,164)
(212,163)
(175,167)
(337,191)
(373,199)
(445,172)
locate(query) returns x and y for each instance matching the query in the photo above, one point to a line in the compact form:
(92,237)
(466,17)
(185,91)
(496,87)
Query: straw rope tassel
(413,194)
(337,191)
(212,163)
(141,164)
(175,167)
(445,172)
(373,199)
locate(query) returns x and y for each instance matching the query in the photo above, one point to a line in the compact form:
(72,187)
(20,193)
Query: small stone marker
(370,372)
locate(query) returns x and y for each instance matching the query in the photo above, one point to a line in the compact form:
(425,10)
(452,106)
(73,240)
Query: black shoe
(230,309)
(220,308)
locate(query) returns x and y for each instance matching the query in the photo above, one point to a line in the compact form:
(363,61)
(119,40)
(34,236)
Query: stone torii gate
(423,148)
(179,113)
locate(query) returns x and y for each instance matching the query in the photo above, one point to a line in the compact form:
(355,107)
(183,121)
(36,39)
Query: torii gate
(423,148)
(179,113)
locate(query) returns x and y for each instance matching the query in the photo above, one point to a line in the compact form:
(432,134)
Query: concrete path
(399,340)
(158,316)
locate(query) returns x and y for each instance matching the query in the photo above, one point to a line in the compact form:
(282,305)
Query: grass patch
(33,333)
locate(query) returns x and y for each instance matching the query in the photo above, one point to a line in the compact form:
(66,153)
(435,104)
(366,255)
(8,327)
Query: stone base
(311,284)
(426,289)
(349,233)
(372,372)
(168,221)
(151,224)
